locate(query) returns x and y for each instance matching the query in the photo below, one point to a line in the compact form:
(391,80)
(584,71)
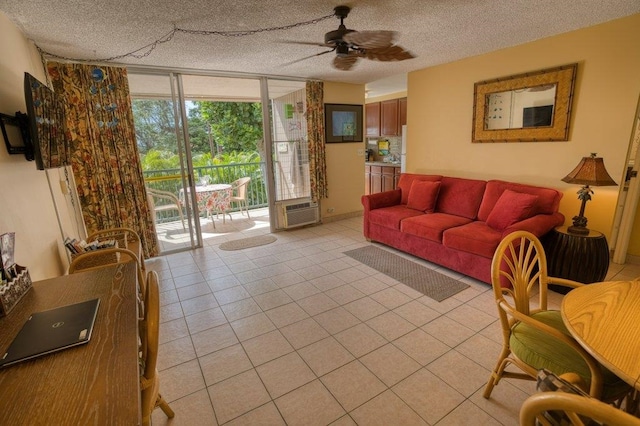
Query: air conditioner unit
(298,213)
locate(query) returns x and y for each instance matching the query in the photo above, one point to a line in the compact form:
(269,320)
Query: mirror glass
(526,107)
(534,106)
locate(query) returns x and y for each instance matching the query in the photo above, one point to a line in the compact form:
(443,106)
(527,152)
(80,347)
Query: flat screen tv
(46,124)
(539,116)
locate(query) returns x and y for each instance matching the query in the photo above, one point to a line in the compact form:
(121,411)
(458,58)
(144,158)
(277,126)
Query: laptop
(51,331)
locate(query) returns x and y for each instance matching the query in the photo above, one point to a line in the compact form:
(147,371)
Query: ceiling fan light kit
(350,45)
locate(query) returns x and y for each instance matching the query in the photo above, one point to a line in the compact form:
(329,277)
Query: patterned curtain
(315,131)
(103,149)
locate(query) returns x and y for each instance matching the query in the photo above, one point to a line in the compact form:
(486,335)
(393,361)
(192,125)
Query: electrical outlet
(331,209)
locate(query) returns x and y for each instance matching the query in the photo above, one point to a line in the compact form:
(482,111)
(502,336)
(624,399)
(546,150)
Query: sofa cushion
(510,208)
(406,179)
(460,197)
(423,195)
(475,237)
(548,199)
(431,225)
(390,217)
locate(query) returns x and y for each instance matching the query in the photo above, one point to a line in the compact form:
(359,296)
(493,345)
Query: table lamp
(589,172)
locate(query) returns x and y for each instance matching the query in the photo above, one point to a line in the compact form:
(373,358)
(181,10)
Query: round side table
(582,258)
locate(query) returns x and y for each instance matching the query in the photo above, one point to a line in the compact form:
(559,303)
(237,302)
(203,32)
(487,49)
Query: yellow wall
(440,112)
(345,161)
(27,206)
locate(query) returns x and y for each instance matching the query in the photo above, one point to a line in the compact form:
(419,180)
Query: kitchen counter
(381,163)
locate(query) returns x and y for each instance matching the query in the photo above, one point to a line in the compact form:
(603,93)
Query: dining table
(604,318)
(95,383)
(212,198)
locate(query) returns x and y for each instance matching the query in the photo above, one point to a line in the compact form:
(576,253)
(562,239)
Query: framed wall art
(343,123)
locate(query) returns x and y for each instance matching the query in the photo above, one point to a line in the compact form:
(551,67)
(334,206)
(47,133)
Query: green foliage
(235,126)
(154,124)
(221,127)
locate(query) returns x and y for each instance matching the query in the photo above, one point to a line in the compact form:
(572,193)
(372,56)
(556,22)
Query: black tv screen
(46,124)
(539,116)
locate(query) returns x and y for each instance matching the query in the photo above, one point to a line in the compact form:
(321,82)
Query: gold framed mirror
(529,107)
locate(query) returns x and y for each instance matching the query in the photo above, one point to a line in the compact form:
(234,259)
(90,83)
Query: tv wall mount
(15,131)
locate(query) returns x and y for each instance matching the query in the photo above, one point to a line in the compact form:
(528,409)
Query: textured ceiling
(436,31)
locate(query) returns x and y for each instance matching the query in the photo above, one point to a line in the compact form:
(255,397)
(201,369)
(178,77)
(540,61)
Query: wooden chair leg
(164,406)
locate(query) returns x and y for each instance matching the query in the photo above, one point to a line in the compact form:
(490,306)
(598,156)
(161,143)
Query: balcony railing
(170,180)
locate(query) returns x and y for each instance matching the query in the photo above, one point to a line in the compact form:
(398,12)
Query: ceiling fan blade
(389,53)
(306,43)
(370,39)
(308,57)
(345,63)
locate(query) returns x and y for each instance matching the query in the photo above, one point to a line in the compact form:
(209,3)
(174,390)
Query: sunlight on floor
(172,235)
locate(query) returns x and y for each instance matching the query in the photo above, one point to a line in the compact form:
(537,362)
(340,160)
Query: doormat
(427,281)
(244,243)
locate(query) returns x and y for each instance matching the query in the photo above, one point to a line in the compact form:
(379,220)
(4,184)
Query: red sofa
(457,222)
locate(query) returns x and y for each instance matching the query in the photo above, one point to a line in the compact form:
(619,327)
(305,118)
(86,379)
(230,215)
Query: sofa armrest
(381,199)
(538,225)
(378,201)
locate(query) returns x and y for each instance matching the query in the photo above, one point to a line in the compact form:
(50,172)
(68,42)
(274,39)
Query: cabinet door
(388,178)
(376,179)
(367,180)
(402,114)
(372,116)
(396,178)
(389,117)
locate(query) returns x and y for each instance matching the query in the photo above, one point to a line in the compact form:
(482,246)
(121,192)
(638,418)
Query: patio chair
(174,203)
(239,195)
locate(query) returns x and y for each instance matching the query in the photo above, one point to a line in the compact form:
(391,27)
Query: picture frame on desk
(343,123)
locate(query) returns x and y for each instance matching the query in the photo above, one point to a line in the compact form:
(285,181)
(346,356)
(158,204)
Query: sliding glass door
(159,116)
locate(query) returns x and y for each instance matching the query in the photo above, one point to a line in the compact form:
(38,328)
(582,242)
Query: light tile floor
(297,333)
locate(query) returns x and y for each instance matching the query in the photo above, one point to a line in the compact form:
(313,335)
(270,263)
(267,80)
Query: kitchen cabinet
(380,178)
(372,116)
(389,118)
(386,118)
(402,114)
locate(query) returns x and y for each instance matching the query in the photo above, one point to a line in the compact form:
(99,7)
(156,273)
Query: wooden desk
(605,319)
(96,383)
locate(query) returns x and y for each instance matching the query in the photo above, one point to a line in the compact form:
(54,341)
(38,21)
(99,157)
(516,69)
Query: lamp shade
(590,171)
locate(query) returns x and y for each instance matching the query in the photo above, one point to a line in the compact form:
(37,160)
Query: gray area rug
(244,243)
(426,281)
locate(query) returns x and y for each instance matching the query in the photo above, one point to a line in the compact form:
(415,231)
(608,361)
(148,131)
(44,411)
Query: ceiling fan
(350,45)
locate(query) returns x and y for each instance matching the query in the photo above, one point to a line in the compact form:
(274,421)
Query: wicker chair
(105,257)
(173,204)
(149,328)
(576,409)
(533,336)
(239,188)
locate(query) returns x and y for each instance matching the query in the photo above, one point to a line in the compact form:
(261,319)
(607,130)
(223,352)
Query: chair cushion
(510,208)
(423,195)
(539,350)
